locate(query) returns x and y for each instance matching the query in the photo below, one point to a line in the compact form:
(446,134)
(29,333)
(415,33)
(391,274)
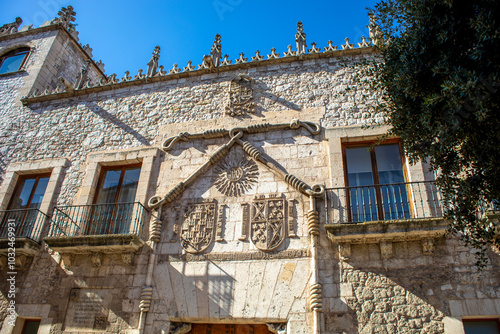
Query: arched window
(14,60)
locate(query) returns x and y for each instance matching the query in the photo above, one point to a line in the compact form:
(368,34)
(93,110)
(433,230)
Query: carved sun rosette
(240,101)
(236,175)
(268,222)
(198,226)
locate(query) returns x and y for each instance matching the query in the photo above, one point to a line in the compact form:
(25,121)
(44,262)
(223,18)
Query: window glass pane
(109,188)
(359,166)
(390,169)
(359,173)
(22,194)
(31,326)
(36,201)
(481,327)
(129,185)
(13,63)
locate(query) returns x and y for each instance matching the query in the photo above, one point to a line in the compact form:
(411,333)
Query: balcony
(385,213)
(79,229)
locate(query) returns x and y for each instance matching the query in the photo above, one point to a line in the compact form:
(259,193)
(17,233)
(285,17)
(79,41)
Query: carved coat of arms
(198,226)
(240,96)
(268,222)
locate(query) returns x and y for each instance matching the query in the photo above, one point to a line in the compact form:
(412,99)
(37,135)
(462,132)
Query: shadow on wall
(408,291)
(119,123)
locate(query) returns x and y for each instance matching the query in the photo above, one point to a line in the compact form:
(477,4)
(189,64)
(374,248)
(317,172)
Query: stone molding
(25,248)
(385,233)
(235,256)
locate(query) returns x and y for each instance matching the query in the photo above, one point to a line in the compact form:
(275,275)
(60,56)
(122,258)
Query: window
(114,200)
(481,326)
(14,60)
(375,178)
(31,326)
(25,204)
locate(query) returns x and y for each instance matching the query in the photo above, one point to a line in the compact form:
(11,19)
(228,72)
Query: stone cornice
(198,73)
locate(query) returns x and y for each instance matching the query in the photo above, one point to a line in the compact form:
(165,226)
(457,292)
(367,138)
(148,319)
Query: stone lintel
(88,244)
(386,231)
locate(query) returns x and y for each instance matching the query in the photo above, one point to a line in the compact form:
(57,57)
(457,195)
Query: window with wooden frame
(31,326)
(24,204)
(375,177)
(114,199)
(14,60)
(481,326)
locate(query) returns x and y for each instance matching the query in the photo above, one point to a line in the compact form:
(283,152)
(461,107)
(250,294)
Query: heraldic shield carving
(240,96)
(268,222)
(198,226)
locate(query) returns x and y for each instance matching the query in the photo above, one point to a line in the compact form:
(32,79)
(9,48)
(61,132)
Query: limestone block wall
(409,292)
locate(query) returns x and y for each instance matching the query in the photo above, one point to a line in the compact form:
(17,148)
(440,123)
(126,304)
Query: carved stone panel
(88,310)
(240,100)
(268,222)
(198,226)
(236,175)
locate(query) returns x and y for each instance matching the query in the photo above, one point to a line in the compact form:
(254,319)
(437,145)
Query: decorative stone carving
(127,258)
(226,61)
(220,221)
(330,47)
(146,296)
(81,78)
(160,72)
(139,75)
(236,256)
(87,49)
(291,217)
(240,96)
(267,229)
(364,43)
(100,64)
(257,56)
(189,67)
(347,45)
(273,54)
(245,220)
(174,69)
(241,60)
(179,327)
(314,49)
(316,297)
(153,62)
(236,175)
(374,29)
(289,53)
(127,77)
(198,226)
(300,39)
(344,251)
(216,51)
(277,328)
(10,28)
(386,249)
(427,246)
(66,17)
(96,259)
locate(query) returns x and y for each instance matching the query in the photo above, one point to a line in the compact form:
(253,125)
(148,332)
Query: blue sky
(124,33)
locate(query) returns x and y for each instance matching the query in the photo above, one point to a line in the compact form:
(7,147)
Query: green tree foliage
(440,82)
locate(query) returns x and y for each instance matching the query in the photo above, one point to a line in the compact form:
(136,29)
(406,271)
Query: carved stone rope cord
(311,127)
(236,134)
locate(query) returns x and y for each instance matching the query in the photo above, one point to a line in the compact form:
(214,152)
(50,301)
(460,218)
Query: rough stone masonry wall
(132,117)
(407,293)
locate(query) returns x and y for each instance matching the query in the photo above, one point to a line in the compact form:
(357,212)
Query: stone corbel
(427,246)
(67,260)
(277,328)
(386,249)
(128,258)
(344,251)
(96,259)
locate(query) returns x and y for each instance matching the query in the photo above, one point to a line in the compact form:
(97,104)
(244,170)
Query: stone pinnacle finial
(10,28)
(216,51)
(66,16)
(153,62)
(300,39)
(374,29)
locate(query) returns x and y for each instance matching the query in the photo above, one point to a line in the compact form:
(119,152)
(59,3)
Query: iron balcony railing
(98,219)
(383,202)
(26,223)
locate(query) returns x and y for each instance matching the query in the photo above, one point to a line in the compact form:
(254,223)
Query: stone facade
(237,226)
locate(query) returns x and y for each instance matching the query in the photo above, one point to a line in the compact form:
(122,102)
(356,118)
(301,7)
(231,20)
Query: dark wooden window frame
(102,173)
(372,144)
(22,177)
(26,321)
